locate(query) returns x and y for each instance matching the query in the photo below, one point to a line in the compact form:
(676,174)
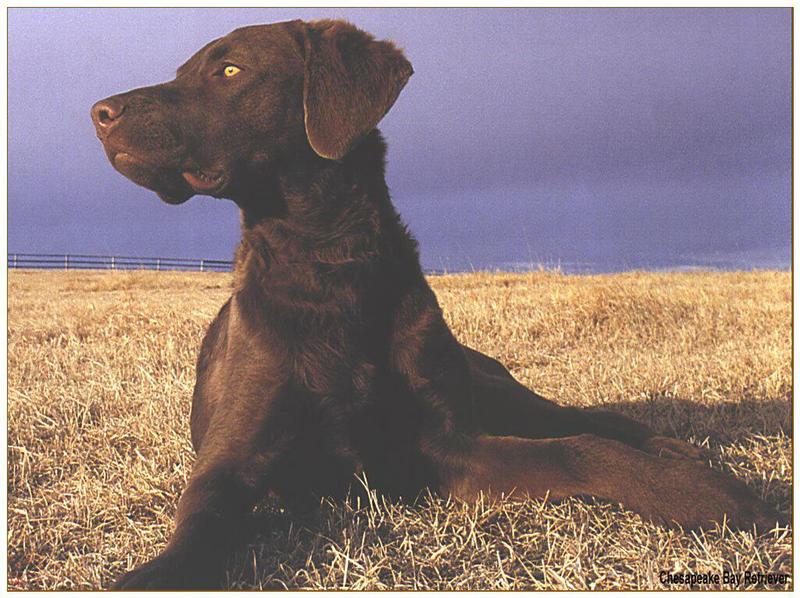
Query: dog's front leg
(244,445)
(209,523)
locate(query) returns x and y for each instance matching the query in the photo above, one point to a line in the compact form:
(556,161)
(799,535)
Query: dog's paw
(672,448)
(169,572)
(738,504)
(693,496)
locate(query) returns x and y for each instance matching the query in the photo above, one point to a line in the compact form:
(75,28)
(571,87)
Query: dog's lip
(127,157)
(204,181)
(169,186)
(199,180)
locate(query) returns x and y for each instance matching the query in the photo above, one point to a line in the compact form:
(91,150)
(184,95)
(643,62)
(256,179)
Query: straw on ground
(101,369)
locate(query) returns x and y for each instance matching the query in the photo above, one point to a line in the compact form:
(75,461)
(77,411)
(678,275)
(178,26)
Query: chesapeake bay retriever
(332,357)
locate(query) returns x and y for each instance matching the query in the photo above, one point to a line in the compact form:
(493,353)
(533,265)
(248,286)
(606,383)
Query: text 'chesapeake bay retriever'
(332,358)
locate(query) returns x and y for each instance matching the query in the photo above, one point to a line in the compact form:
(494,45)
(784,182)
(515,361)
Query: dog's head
(248,100)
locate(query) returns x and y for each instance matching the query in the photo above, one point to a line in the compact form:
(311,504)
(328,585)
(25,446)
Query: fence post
(113,264)
(66,262)
(15,261)
(202,265)
(158,264)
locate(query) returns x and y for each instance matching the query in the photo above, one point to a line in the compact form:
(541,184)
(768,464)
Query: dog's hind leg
(666,491)
(507,408)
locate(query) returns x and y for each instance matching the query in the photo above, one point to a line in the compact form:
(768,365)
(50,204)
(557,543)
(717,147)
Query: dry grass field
(100,375)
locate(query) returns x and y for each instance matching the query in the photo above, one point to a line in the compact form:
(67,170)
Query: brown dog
(332,356)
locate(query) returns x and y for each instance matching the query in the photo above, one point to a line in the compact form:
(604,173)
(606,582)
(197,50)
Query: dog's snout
(106,113)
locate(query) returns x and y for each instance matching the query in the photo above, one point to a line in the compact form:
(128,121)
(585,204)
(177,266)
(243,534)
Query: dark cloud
(616,138)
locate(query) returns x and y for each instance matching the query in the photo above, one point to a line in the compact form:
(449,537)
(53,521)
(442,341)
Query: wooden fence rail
(53,261)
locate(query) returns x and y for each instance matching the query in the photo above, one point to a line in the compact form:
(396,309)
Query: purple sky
(592,138)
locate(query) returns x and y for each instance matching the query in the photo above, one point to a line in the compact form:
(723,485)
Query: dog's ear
(351,80)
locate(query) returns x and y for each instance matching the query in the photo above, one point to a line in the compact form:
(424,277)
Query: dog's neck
(303,185)
(322,218)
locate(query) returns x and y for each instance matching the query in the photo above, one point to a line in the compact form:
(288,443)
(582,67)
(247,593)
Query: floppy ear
(351,80)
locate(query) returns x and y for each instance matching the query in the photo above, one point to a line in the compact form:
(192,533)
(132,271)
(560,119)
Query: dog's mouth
(204,182)
(173,185)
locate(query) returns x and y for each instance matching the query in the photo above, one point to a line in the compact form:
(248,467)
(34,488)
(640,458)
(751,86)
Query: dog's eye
(231,70)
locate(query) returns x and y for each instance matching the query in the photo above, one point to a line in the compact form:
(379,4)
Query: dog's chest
(333,368)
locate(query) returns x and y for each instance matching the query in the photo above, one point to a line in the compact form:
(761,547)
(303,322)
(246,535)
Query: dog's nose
(106,113)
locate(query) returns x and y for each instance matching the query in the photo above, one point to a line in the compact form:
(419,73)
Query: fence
(52,261)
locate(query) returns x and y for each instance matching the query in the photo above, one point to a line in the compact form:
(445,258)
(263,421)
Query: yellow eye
(231,70)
